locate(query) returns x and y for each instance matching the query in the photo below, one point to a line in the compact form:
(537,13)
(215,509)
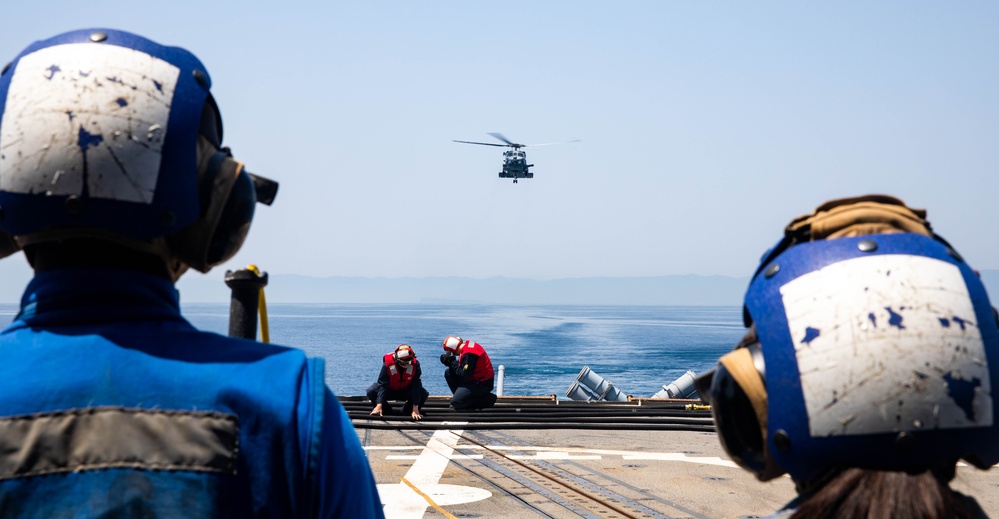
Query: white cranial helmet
(452,344)
(108,135)
(404,353)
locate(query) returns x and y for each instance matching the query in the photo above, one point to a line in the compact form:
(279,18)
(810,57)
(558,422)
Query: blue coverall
(112,403)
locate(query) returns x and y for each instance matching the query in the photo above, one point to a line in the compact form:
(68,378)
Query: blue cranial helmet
(106,134)
(876,352)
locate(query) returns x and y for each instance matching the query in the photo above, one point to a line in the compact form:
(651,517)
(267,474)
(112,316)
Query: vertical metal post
(499,381)
(244,303)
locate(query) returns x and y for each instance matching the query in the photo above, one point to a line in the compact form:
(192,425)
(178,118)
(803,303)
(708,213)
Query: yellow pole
(265,334)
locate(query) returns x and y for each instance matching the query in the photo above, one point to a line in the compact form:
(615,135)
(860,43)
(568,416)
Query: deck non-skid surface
(450,470)
(552,473)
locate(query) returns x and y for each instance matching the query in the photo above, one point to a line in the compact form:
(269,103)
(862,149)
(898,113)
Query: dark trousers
(402,394)
(471,394)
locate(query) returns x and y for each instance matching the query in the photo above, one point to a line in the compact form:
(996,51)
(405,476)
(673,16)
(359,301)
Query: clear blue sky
(704,126)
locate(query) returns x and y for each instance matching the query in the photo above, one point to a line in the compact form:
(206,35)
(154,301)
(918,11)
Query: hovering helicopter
(514,160)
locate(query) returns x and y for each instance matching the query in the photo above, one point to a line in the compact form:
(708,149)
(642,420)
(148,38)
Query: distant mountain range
(691,290)
(664,290)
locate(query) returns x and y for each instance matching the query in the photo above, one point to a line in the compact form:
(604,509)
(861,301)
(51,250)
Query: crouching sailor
(114,181)
(400,378)
(469,374)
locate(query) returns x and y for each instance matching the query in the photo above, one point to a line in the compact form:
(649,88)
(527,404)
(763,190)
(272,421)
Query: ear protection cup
(739,405)
(736,390)
(227,198)
(227,195)
(233,222)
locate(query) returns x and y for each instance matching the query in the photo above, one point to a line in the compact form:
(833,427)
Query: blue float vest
(165,420)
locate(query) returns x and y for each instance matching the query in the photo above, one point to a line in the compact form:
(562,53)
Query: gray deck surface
(526,473)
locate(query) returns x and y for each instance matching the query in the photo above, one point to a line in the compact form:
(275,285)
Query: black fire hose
(520,413)
(432,426)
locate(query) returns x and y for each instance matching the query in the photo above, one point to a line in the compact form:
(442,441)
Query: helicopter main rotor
(499,136)
(511,144)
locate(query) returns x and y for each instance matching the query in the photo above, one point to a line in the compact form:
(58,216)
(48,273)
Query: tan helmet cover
(859,216)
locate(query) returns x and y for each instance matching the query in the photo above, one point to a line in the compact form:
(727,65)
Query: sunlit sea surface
(543,348)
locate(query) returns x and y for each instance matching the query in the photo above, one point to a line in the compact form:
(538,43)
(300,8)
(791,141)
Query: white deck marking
(405,503)
(571,453)
(679,456)
(552,455)
(429,465)
(544,455)
(417,456)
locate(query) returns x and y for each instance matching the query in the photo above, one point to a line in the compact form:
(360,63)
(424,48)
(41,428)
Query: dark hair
(878,494)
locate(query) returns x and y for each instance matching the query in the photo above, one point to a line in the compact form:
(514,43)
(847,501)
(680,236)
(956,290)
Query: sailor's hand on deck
(377,410)
(416,413)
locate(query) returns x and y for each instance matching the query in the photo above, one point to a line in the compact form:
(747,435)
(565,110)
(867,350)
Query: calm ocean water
(543,348)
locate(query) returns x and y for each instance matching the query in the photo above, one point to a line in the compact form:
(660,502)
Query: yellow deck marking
(427,498)
(421,484)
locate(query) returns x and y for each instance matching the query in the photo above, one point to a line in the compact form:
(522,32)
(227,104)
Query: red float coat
(483,367)
(399,380)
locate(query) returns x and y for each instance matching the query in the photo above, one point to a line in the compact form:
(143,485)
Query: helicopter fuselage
(515,165)
(514,160)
